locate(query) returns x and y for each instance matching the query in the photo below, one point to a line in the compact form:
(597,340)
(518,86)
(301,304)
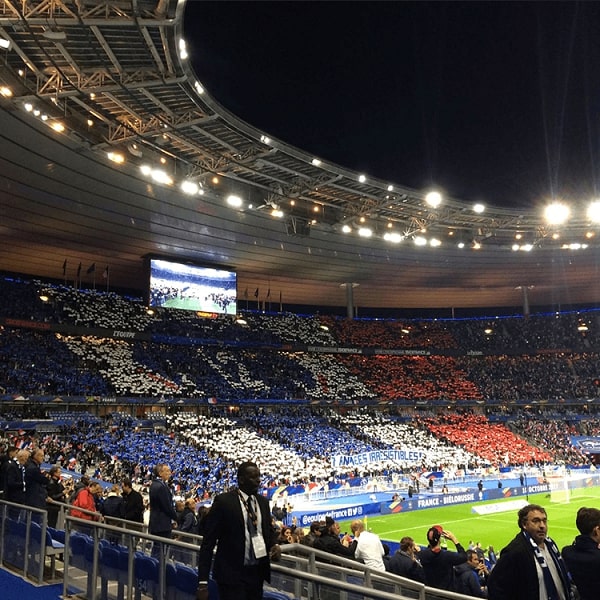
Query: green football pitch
(495,529)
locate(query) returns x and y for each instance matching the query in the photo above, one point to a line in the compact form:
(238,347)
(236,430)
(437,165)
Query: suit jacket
(515,575)
(402,564)
(162,511)
(133,507)
(225,524)
(583,561)
(14,490)
(36,486)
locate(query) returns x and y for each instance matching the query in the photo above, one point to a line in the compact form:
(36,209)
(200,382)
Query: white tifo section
(499,507)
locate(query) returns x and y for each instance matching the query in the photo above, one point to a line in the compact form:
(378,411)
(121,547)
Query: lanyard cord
(249,506)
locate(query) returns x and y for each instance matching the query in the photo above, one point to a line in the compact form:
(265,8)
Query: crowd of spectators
(295,446)
(176,354)
(493,442)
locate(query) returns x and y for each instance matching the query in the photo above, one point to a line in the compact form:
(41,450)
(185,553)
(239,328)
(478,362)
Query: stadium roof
(102,118)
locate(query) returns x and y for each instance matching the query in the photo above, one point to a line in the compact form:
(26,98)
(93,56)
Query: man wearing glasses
(530,567)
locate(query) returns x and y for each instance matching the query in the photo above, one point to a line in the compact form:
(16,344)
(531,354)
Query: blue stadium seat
(145,572)
(186,582)
(108,565)
(171,581)
(275,595)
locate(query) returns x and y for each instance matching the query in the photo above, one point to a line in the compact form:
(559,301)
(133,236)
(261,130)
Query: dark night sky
(496,102)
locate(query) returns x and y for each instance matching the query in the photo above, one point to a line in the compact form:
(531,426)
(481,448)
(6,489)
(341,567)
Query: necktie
(251,526)
(252,518)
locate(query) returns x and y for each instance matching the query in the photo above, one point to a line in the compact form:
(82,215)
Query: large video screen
(191,287)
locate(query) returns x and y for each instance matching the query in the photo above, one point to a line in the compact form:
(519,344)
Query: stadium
(178,287)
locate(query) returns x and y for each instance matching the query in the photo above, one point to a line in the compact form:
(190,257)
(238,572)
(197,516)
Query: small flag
(246,293)
(269,293)
(65,267)
(105,274)
(79,270)
(91,268)
(256,293)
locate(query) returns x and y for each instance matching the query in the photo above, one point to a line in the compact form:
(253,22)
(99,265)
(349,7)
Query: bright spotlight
(393,237)
(161,177)
(182,49)
(556,213)
(116,157)
(433,199)
(234,201)
(365,232)
(478,208)
(189,187)
(593,211)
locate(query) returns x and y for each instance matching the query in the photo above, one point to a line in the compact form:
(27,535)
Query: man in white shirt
(369,548)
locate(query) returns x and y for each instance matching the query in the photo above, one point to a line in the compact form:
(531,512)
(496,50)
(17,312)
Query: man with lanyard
(239,524)
(530,567)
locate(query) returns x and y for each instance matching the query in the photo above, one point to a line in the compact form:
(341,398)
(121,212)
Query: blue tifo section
(380,503)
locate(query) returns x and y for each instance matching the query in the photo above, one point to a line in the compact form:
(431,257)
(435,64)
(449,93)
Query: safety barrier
(27,542)
(119,562)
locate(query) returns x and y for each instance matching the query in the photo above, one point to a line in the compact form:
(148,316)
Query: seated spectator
(285,536)
(313,534)
(471,576)
(405,562)
(329,540)
(369,548)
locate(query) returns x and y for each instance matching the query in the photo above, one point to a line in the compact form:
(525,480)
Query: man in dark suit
(14,479)
(583,556)
(133,504)
(36,483)
(239,523)
(6,459)
(162,511)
